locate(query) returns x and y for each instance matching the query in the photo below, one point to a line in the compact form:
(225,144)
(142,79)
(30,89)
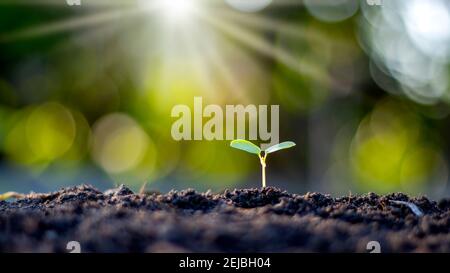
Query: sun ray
(241,27)
(215,62)
(267,24)
(227,75)
(90,3)
(200,62)
(77,23)
(255,42)
(62,26)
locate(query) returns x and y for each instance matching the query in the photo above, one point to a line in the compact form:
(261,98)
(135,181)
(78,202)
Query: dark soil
(250,220)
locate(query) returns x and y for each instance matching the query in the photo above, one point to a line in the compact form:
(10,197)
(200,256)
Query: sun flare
(177,10)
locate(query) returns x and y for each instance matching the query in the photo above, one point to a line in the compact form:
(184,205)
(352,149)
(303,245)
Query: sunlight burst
(177,10)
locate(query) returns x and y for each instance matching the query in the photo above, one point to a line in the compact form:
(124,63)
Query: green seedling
(249,147)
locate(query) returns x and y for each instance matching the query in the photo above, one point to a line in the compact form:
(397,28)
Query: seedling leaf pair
(249,147)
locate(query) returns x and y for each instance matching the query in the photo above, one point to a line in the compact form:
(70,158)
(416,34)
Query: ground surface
(251,220)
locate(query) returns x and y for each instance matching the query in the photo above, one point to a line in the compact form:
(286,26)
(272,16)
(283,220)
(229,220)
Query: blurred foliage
(86,93)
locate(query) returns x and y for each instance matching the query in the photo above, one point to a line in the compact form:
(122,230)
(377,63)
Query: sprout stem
(264,176)
(263,167)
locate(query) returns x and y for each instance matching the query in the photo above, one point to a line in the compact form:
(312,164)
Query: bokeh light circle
(50,131)
(119,143)
(332,10)
(428,25)
(389,152)
(249,5)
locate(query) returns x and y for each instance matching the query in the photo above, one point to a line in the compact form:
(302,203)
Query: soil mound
(245,220)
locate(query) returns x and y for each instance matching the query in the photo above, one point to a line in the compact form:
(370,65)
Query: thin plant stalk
(263,169)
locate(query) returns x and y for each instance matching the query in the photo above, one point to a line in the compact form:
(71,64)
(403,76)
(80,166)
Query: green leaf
(245,146)
(280,146)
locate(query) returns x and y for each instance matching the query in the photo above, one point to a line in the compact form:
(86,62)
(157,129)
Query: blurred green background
(86,92)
